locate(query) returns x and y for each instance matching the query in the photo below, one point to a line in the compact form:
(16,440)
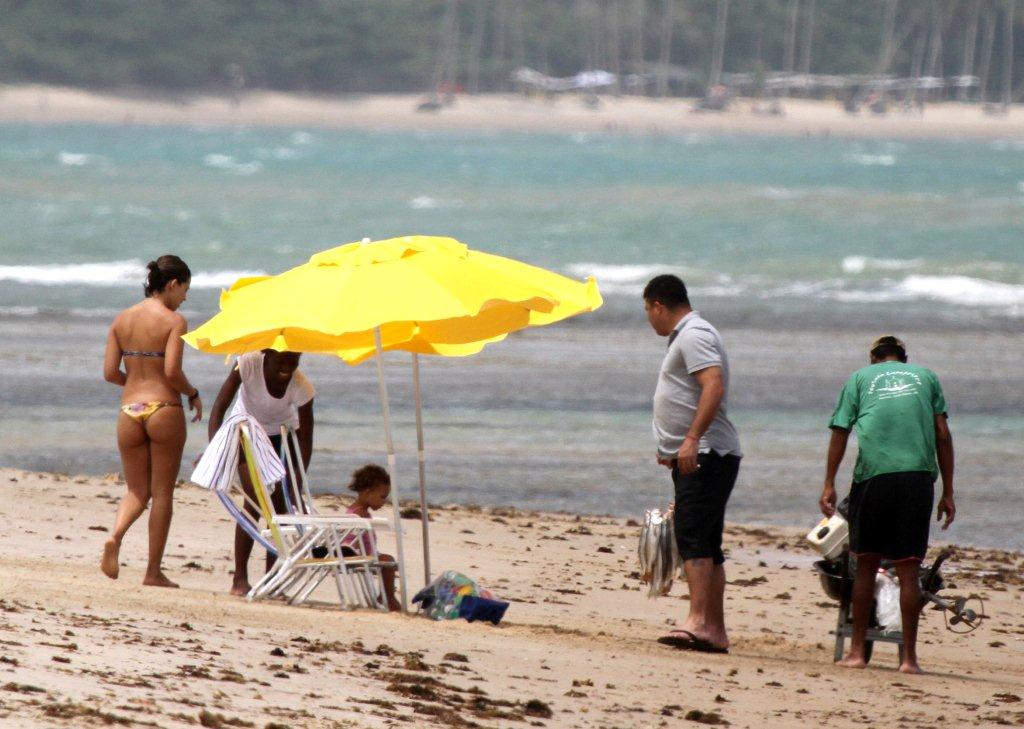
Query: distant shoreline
(37,104)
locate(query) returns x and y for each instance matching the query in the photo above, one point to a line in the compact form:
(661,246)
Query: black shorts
(890,514)
(275,441)
(277,498)
(701,497)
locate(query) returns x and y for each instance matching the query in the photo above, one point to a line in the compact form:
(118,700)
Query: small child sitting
(372,485)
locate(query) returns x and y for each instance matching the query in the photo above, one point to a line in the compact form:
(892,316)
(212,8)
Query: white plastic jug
(830,537)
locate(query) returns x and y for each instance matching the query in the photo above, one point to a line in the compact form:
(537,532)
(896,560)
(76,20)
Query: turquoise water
(857,224)
(800,250)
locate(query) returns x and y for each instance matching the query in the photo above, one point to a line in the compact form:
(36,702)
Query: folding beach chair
(296,538)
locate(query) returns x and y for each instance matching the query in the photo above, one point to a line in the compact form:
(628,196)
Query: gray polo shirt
(694,345)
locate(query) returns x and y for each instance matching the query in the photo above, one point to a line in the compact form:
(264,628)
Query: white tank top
(270,411)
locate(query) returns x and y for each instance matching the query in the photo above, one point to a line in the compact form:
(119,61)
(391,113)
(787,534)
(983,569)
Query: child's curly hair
(367,477)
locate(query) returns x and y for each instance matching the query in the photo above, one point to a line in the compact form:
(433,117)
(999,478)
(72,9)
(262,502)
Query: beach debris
(457,657)
(537,708)
(414,662)
(22,688)
(742,582)
(658,553)
(216,721)
(705,717)
(279,652)
(72,710)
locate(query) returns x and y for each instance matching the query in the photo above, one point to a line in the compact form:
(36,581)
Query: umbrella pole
(424,518)
(386,412)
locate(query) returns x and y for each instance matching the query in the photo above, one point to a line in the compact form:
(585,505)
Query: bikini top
(139,353)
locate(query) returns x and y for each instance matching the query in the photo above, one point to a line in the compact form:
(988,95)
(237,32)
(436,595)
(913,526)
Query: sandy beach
(576,649)
(498,113)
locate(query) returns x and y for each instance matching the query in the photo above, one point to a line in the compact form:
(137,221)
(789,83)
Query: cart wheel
(869,646)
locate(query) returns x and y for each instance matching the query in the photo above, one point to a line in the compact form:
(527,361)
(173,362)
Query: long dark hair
(164,270)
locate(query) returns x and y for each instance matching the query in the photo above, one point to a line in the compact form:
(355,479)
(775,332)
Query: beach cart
(962,614)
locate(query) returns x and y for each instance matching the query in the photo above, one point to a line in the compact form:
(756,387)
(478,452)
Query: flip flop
(684,640)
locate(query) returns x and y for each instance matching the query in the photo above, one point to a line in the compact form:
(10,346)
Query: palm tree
(718,49)
(988,35)
(805,56)
(665,48)
(789,49)
(638,40)
(970,41)
(1008,54)
(476,42)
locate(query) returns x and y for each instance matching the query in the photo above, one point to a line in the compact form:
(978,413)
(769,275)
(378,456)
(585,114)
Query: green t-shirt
(893,405)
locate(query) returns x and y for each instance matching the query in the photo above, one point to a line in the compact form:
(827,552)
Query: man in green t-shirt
(900,415)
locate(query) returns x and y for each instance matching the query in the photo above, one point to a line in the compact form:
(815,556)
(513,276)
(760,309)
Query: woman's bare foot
(111,552)
(910,667)
(851,661)
(159,581)
(240,588)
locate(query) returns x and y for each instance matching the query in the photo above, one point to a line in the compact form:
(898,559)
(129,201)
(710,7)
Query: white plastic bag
(887,603)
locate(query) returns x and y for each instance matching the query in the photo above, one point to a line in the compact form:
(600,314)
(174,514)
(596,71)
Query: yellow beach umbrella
(421,294)
(426,288)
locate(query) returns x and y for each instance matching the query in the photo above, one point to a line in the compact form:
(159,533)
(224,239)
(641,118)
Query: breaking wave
(859,264)
(113,273)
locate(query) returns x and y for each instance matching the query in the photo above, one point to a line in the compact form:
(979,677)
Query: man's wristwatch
(194,395)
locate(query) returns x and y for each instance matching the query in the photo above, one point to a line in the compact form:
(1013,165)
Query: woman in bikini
(151,424)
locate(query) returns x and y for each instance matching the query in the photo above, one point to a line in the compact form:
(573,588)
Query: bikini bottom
(140,412)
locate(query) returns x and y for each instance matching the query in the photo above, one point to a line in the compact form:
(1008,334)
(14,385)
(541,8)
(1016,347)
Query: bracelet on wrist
(194,395)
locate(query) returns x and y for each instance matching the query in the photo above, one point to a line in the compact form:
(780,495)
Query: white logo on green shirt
(895,383)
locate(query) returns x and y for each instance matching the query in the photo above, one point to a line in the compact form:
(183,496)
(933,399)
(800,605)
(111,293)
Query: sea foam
(859,264)
(78,159)
(113,273)
(230,164)
(625,273)
(872,160)
(964,290)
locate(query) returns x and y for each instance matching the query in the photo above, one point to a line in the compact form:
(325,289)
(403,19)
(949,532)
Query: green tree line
(344,46)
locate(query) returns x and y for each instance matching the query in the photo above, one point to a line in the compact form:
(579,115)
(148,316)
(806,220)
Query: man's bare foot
(910,667)
(159,581)
(240,589)
(851,661)
(109,565)
(394,606)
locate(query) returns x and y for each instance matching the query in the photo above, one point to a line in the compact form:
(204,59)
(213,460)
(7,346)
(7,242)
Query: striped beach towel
(217,468)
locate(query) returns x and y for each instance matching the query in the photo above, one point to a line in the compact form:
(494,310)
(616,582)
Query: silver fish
(657,552)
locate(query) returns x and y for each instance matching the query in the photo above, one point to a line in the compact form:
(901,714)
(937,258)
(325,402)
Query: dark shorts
(890,515)
(277,495)
(275,441)
(701,497)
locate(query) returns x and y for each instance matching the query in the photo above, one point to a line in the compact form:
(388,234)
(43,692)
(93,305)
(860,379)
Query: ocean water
(800,250)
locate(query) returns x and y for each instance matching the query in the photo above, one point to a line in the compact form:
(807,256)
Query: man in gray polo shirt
(698,442)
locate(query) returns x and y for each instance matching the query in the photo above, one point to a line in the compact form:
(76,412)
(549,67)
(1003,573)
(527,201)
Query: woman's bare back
(147,327)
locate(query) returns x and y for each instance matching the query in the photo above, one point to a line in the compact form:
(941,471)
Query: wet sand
(576,649)
(37,104)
